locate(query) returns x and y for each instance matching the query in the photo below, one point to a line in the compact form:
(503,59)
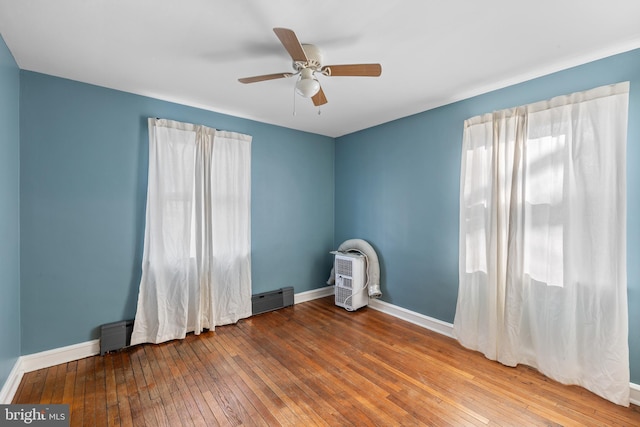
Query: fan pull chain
(294,100)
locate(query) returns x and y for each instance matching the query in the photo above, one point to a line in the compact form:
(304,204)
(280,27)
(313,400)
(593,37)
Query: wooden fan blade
(359,70)
(290,42)
(319,98)
(264,77)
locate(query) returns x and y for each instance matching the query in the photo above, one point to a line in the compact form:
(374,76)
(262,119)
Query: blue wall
(9,213)
(81,184)
(397,186)
(83,174)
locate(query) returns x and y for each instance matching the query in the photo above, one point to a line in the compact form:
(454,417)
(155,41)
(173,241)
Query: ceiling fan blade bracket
(299,65)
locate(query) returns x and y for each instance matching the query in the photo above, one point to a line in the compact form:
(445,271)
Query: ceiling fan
(307,61)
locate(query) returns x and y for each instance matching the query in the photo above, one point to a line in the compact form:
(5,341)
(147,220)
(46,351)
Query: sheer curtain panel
(196,266)
(543,239)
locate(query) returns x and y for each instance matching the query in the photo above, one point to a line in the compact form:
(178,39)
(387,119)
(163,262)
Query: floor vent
(115,336)
(272,300)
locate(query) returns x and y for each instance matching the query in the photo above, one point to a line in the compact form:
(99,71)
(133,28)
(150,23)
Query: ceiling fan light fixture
(307,87)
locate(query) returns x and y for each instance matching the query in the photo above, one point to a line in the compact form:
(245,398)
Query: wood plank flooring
(313,364)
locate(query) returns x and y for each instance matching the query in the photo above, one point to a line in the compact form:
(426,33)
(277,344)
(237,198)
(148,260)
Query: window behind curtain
(543,239)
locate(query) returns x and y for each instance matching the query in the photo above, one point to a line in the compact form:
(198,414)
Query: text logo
(34,415)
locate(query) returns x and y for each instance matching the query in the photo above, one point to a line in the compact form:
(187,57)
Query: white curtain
(543,239)
(196,266)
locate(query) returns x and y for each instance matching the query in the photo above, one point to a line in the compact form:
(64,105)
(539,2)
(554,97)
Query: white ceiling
(432,52)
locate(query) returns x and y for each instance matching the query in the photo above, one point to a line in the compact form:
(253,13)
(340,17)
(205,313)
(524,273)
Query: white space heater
(350,281)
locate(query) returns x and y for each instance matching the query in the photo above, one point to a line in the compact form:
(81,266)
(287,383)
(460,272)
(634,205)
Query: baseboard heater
(115,336)
(272,300)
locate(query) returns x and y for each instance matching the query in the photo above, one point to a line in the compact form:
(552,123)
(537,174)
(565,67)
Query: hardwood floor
(313,364)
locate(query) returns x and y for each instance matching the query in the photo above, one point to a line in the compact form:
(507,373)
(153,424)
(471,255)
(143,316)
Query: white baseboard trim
(427,322)
(430,323)
(11,384)
(45,359)
(634,394)
(312,294)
